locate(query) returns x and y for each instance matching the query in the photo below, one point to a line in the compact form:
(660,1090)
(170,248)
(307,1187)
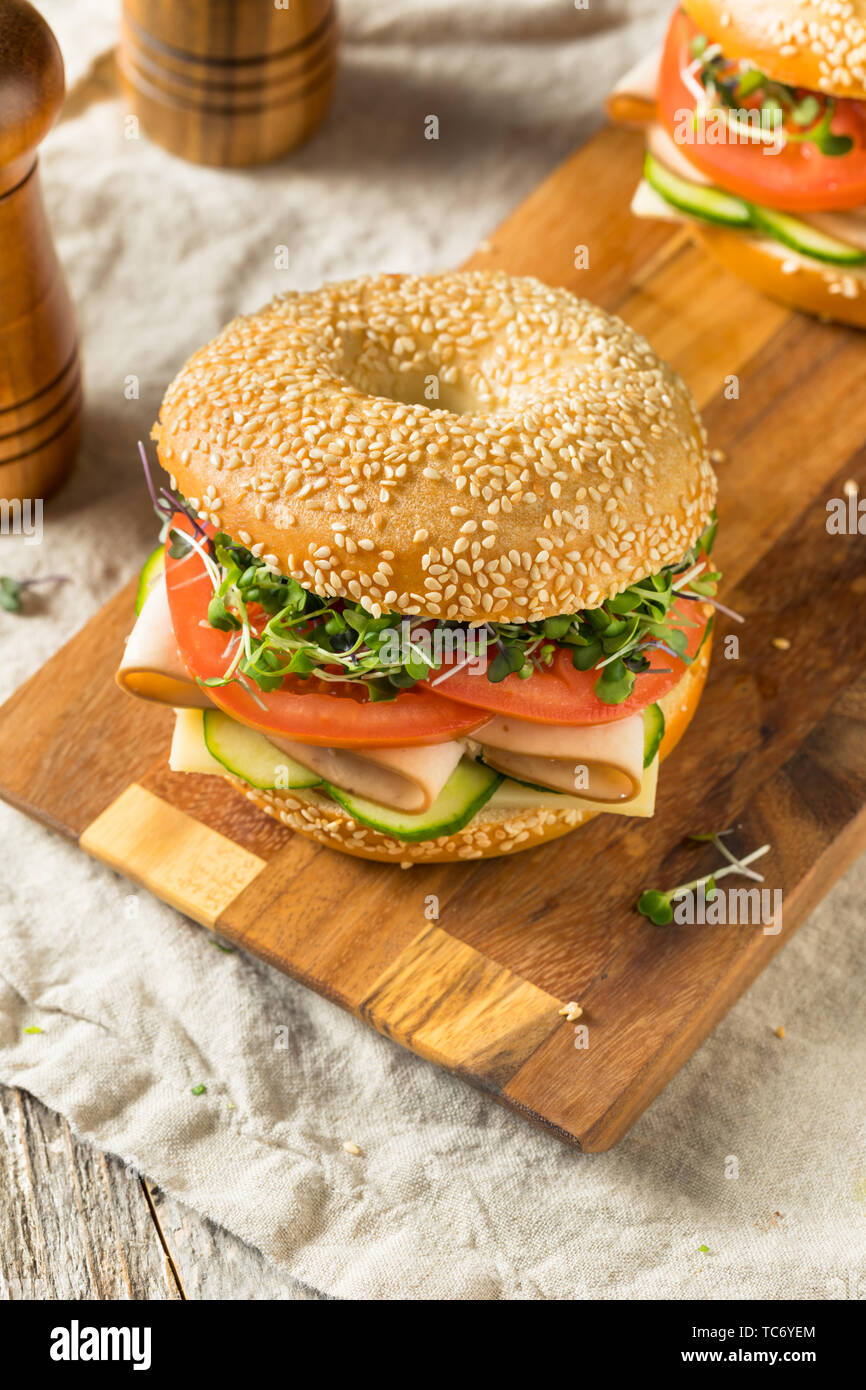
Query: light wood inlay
(193,868)
(446,1001)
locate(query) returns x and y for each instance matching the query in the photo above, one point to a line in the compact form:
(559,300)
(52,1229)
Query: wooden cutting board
(468,965)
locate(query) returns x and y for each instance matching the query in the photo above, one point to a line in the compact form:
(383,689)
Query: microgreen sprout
(11,590)
(284,630)
(166,503)
(803,116)
(658,904)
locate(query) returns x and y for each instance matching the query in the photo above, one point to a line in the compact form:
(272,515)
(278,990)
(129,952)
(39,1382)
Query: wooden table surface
(77,1223)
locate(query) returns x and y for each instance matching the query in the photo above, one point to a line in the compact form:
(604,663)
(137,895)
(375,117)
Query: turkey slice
(405,779)
(601,762)
(152,667)
(633,99)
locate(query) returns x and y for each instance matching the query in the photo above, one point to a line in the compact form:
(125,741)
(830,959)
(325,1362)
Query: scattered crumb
(782,644)
(707,610)
(780,1032)
(850,487)
(407,863)
(485,246)
(351,1148)
(718,456)
(766,1226)
(571,1011)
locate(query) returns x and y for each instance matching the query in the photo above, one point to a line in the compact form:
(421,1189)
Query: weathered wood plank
(74,1223)
(79,1224)
(214,1264)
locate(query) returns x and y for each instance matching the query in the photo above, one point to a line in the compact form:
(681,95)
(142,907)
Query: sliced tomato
(563,695)
(798,178)
(310,710)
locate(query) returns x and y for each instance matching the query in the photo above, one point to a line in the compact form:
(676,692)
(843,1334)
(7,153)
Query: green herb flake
(34,1029)
(10,594)
(198,1090)
(704,1249)
(221,946)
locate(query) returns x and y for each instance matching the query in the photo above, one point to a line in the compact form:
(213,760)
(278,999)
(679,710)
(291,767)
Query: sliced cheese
(189,751)
(599,762)
(511,796)
(152,667)
(404,779)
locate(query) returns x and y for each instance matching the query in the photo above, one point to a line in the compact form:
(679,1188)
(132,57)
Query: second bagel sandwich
(755,118)
(435,577)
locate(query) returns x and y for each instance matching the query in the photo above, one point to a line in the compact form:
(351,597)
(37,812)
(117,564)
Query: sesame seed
(276,407)
(571,1012)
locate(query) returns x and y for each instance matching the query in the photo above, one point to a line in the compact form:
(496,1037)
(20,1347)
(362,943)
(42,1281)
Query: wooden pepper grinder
(228,82)
(40,387)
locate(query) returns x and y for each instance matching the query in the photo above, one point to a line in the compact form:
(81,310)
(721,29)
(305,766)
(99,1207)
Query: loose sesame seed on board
(408,436)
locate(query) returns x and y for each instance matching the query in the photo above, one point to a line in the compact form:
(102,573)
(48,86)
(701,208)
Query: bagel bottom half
(493,831)
(830,292)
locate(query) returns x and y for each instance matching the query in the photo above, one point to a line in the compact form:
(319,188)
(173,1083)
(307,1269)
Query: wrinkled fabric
(755,1149)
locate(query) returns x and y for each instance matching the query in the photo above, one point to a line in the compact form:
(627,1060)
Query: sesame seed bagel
(831,292)
(492,832)
(805,43)
(466,446)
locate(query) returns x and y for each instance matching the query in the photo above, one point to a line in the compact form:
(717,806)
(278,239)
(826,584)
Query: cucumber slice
(709,204)
(251,756)
(805,239)
(153,567)
(465,792)
(653,732)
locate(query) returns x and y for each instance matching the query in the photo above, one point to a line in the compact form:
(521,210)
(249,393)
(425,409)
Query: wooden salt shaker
(228,82)
(40,388)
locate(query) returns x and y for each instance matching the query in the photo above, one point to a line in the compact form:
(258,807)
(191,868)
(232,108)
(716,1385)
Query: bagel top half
(468,446)
(804,43)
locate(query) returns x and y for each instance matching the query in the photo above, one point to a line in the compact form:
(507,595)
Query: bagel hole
(416,390)
(365,366)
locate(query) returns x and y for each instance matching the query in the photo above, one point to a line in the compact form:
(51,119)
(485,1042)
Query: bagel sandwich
(755,118)
(435,577)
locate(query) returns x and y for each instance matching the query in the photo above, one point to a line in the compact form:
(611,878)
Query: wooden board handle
(228,82)
(40,396)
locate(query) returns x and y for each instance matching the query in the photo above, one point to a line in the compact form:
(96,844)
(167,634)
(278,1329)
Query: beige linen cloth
(451,1197)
